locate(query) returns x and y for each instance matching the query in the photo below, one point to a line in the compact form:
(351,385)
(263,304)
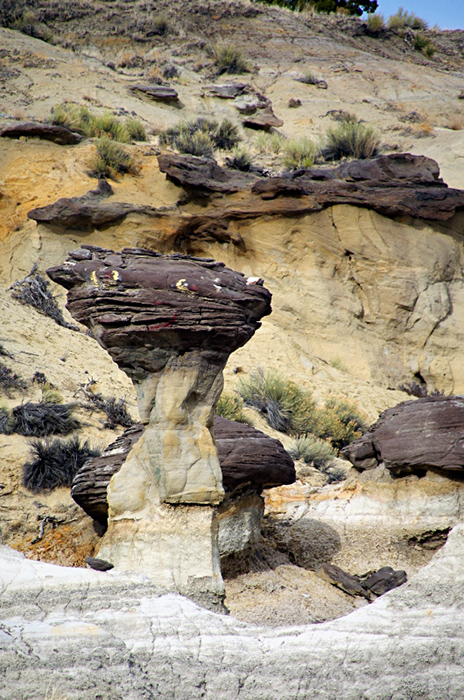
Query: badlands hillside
(366,271)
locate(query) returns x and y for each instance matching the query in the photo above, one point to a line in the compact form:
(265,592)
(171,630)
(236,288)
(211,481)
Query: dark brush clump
(43,419)
(34,290)
(10,381)
(4,352)
(55,463)
(420,391)
(5,421)
(115,409)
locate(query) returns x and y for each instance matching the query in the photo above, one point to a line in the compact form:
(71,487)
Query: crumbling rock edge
(59,622)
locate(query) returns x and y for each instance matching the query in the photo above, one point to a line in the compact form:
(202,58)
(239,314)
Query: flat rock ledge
(50,132)
(414,436)
(85,633)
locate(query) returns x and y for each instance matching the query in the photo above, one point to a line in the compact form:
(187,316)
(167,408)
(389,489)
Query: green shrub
(341,422)
(201,136)
(107,124)
(312,450)
(299,153)
(55,463)
(402,19)
(287,407)
(79,118)
(34,290)
(351,140)
(375,23)
(422,43)
(110,159)
(135,130)
(229,59)
(231,407)
(161,22)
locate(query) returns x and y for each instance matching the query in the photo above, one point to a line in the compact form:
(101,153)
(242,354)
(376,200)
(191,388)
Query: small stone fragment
(98,564)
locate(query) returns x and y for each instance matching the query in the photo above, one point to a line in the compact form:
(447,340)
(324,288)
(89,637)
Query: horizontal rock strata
(58,623)
(393,185)
(142,306)
(414,436)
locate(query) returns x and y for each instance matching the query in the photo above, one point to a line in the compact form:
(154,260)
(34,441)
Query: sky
(447,14)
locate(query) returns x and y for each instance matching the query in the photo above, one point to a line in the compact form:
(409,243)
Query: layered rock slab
(58,623)
(414,436)
(170,322)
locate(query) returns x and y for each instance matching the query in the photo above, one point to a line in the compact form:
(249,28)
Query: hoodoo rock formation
(170,322)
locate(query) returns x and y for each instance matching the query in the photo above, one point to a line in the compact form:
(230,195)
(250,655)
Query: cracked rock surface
(87,633)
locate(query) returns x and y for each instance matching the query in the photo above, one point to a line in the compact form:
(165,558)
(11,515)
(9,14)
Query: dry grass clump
(232,407)
(299,153)
(312,450)
(201,137)
(79,118)
(423,44)
(241,160)
(350,139)
(375,23)
(456,122)
(269,142)
(229,58)
(34,290)
(110,159)
(55,463)
(402,19)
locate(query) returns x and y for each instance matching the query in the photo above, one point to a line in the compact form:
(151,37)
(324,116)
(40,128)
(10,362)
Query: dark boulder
(160,93)
(50,132)
(414,436)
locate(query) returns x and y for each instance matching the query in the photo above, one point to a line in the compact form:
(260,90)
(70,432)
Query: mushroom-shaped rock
(414,436)
(170,322)
(248,458)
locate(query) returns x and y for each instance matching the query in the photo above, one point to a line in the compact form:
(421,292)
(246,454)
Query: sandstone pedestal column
(170,322)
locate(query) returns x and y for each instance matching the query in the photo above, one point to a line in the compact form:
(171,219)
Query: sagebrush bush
(110,159)
(231,407)
(340,421)
(287,407)
(201,136)
(43,419)
(299,153)
(55,463)
(312,450)
(34,290)
(349,139)
(229,58)
(309,78)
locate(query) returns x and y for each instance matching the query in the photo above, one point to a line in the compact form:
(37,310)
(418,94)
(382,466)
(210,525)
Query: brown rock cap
(144,307)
